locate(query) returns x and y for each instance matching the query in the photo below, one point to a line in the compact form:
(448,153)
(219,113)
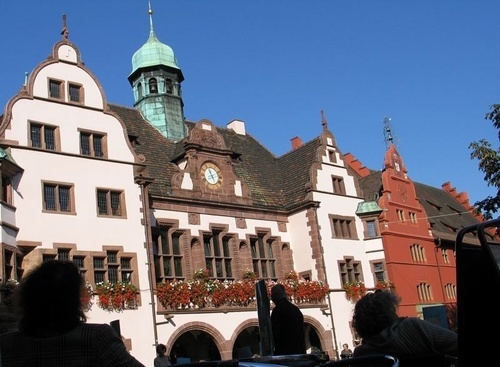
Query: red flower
(117,296)
(354,290)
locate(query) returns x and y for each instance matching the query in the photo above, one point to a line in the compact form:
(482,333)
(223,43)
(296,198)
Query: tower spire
(150,12)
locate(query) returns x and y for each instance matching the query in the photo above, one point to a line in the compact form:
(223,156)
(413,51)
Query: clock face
(211,175)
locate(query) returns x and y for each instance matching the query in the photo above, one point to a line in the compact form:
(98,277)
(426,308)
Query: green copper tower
(156,82)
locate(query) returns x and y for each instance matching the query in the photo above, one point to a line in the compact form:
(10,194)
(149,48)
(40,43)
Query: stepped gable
(445,214)
(153,145)
(295,167)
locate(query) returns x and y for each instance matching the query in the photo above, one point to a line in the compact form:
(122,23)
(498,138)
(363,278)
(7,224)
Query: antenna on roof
(65,31)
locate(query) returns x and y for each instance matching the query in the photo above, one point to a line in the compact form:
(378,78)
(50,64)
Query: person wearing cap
(287,323)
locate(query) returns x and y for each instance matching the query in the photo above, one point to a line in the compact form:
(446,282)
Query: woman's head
(161,349)
(50,298)
(374,312)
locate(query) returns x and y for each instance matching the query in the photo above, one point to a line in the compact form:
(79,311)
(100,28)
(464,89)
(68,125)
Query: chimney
(237,126)
(296,142)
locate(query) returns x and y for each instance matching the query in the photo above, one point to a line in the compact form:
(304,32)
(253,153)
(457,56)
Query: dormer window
(153,85)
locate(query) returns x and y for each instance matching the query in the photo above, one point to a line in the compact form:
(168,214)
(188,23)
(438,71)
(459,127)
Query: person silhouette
(376,321)
(52,327)
(287,323)
(161,360)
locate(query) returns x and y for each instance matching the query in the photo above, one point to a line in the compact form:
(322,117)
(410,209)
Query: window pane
(209,266)
(167,271)
(126,276)
(50,142)
(229,272)
(269,249)
(63,254)
(98,277)
(254,249)
(218,268)
(102,202)
(36,136)
(372,232)
(64,199)
(165,246)
(225,246)
(125,263)
(98,146)
(98,262)
(216,244)
(178,266)
(255,264)
(78,261)
(54,89)
(206,246)
(263,268)
(115,203)
(175,244)
(74,93)
(272,269)
(113,275)
(112,257)
(49,197)
(262,253)
(85,143)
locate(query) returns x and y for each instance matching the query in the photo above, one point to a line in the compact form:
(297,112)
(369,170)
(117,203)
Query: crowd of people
(53,328)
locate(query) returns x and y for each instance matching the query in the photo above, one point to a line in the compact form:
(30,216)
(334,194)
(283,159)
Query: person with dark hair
(52,325)
(161,359)
(287,322)
(346,352)
(376,321)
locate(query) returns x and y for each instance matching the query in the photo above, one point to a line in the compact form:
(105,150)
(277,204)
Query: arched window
(139,90)
(153,85)
(170,87)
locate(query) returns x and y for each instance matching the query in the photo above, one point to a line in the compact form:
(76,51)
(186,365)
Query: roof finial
(65,31)
(387,132)
(323,121)
(150,12)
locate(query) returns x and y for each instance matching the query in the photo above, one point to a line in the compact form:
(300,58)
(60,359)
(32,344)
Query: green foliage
(489,164)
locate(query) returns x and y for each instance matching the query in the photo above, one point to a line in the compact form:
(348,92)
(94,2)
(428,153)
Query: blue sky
(431,66)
